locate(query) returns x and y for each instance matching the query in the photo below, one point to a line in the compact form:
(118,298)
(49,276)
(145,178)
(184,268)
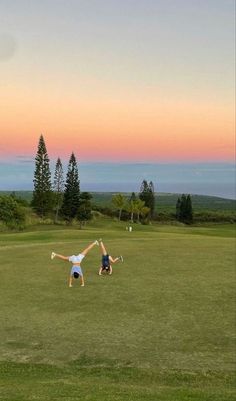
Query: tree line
(142,206)
(137,206)
(68,202)
(63,199)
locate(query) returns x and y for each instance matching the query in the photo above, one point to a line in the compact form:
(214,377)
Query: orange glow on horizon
(121,128)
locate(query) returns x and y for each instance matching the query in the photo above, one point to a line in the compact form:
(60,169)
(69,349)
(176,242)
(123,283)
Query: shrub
(12,214)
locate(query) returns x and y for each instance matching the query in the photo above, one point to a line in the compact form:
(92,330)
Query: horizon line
(29,158)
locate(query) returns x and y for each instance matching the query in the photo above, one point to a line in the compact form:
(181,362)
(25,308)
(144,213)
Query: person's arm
(70,281)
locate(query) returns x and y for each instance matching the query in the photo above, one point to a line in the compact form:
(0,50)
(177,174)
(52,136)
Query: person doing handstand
(76,270)
(107,260)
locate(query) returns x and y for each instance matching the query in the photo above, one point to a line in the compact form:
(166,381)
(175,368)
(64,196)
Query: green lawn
(162,327)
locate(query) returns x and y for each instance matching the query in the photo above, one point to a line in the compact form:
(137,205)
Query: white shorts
(76,258)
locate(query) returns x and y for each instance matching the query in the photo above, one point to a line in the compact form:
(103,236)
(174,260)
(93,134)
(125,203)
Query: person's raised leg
(103,249)
(56,255)
(86,250)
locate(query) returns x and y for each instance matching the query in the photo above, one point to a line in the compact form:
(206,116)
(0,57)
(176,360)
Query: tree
(12,214)
(189,210)
(130,208)
(133,197)
(144,211)
(19,200)
(85,208)
(58,187)
(147,195)
(140,208)
(177,214)
(184,211)
(136,207)
(151,203)
(118,201)
(71,199)
(144,192)
(42,194)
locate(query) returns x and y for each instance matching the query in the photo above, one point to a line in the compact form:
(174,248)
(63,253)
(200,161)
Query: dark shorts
(105,263)
(106,268)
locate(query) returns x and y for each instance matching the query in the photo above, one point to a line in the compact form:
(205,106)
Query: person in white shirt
(76,270)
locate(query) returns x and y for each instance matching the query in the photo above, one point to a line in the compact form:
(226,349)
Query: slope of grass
(162,327)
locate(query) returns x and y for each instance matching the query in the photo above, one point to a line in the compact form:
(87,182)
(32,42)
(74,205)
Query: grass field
(162,327)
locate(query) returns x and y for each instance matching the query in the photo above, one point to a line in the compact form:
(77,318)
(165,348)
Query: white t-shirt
(76,258)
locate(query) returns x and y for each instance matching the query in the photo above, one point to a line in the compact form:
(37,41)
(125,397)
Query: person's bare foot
(53,255)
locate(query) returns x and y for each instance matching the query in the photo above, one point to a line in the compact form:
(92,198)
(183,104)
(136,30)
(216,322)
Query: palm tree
(118,201)
(130,208)
(145,211)
(140,208)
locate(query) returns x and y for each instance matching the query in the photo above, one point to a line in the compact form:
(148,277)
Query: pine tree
(144,192)
(147,195)
(151,204)
(85,208)
(133,197)
(184,211)
(58,187)
(189,210)
(42,194)
(71,199)
(177,214)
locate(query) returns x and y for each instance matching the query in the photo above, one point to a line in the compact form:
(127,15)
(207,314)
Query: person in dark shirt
(107,260)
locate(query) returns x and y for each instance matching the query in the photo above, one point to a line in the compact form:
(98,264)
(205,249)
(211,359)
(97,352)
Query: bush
(215,217)
(164,216)
(96,214)
(12,214)
(19,200)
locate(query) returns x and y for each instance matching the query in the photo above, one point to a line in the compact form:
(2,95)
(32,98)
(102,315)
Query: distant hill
(167,201)
(164,201)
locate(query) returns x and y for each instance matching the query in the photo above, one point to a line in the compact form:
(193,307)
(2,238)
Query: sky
(118,80)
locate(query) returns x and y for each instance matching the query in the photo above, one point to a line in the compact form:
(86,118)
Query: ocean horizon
(212,179)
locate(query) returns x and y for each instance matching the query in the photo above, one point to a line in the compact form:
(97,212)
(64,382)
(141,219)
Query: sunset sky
(118,80)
